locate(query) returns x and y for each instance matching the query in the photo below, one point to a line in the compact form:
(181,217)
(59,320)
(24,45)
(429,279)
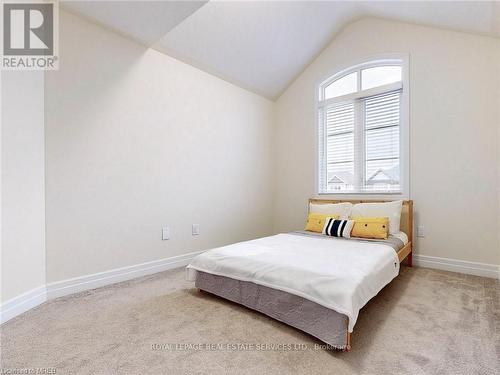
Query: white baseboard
(97,280)
(460,266)
(37,296)
(22,303)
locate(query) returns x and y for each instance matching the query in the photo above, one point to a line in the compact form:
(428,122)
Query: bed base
(325,324)
(406,253)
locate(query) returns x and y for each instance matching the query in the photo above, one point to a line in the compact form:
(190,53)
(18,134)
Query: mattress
(397,240)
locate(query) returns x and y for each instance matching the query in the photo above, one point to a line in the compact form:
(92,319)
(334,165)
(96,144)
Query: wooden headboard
(406,213)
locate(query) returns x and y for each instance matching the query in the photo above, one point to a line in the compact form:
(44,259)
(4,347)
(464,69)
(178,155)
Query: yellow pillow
(371,227)
(316,222)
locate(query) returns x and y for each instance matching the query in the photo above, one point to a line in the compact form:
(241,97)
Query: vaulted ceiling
(262,46)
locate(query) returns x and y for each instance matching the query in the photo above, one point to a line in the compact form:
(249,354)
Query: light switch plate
(420,231)
(165,233)
(196,229)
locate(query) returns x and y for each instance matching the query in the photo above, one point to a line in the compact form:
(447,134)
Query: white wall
(136,140)
(454,168)
(22,187)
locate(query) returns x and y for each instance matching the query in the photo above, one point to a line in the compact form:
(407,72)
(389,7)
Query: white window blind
(359,140)
(381,123)
(338,160)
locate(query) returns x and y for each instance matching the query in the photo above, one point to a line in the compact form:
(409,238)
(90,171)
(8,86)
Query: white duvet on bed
(342,275)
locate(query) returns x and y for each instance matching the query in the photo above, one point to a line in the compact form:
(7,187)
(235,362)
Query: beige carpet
(424,322)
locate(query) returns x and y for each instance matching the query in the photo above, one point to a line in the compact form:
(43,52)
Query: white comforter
(342,275)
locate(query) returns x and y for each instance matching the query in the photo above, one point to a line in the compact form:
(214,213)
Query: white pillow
(392,210)
(341,209)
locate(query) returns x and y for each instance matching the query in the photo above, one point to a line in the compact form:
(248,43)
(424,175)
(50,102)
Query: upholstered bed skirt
(325,324)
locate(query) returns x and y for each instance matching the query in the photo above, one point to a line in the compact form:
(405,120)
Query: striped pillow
(338,228)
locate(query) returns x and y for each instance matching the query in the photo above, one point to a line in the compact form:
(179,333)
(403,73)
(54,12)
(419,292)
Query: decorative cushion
(316,222)
(371,227)
(338,228)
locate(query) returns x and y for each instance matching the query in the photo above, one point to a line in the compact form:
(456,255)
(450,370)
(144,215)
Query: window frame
(401,59)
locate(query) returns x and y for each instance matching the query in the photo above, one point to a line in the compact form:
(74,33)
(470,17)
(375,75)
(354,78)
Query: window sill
(364,195)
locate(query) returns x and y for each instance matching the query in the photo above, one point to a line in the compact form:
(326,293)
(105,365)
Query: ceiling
(262,46)
(144,21)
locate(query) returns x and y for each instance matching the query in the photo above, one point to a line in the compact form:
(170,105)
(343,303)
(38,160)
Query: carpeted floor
(424,322)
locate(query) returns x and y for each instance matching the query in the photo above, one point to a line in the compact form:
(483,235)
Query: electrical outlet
(196,229)
(165,233)
(420,231)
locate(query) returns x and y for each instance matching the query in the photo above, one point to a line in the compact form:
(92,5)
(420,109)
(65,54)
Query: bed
(312,282)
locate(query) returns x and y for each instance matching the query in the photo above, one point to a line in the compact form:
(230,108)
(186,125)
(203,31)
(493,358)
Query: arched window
(363,130)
